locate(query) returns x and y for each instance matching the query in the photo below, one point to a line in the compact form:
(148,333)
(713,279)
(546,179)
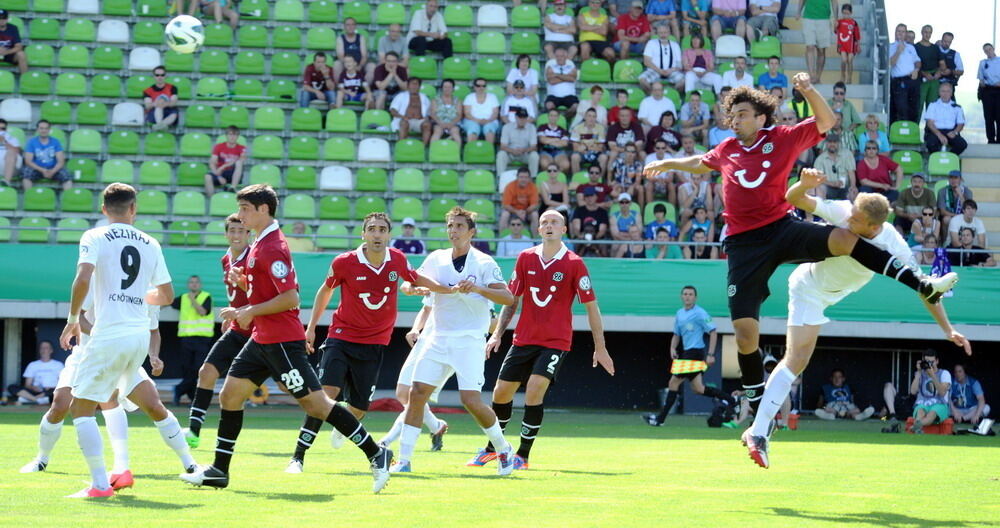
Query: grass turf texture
(588,469)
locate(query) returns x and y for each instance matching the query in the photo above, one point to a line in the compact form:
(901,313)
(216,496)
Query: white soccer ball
(184,34)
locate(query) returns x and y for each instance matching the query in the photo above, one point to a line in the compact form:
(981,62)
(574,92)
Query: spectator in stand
(218,9)
(480,110)
(738,76)
(390,79)
(350,43)
(393,41)
(694,15)
(872,132)
(659,185)
(700,250)
(729,14)
(446,113)
(945,120)
(818,24)
(692,195)
(560,76)
(764,18)
(923,231)
(931,61)
(950,199)
(968,403)
(351,85)
(318,83)
(428,31)
(519,142)
(914,202)
(652,107)
(11,48)
(409,243)
(926,252)
(799,105)
(625,176)
(662,59)
(299,240)
(665,251)
(842,105)
(911,37)
(695,117)
(226,164)
(848,35)
(687,150)
(666,131)
(776,91)
(521,201)
(632,247)
(718,133)
(953,67)
(595,182)
(553,142)
(967,220)
(44,159)
(518,100)
(664,12)
(621,98)
(660,221)
(411,112)
(589,143)
(717,109)
(40,378)
(772,77)
(594,26)
(526,74)
(837,400)
(967,253)
(624,133)
(633,31)
(516,241)
(839,166)
(989,92)
(160,101)
(10,151)
(878,174)
(932,388)
(590,222)
(560,30)
(596,96)
(699,67)
(701,220)
(904,85)
(554,191)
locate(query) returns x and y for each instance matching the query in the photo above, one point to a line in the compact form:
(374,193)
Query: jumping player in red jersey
(277,345)
(550,275)
(368,278)
(233,338)
(755,167)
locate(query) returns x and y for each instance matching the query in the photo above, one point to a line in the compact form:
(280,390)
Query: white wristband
(73,319)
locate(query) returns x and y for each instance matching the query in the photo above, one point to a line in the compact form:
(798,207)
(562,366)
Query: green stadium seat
(83,170)
(479,152)
(321,39)
(252,36)
(408,181)
(151,8)
(40,55)
(300,177)
(491,69)
(80,30)
(342,120)
(457,68)
(56,111)
(408,206)
(287,37)
(248,89)
(338,149)
(44,29)
(154,172)
(5,231)
(627,71)
(200,116)
(191,173)
(216,230)
(269,118)
(491,42)
(160,144)
(222,204)
(439,233)
(281,90)
(219,35)
(444,151)
(359,11)
(332,236)
(151,227)
(77,200)
(904,133)
(423,67)
(286,63)
(196,144)
(255,10)
(136,84)
(723,67)
(148,32)
(636,95)
(40,199)
(117,170)
(36,83)
(323,11)
(911,161)
(212,88)
(409,151)
(526,16)
(237,116)
(186,233)
(648,211)
(299,206)
(249,63)
(289,11)
(334,207)
(485,208)
(941,163)
(443,181)
(33,229)
(461,41)
(524,42)
(213,61)
(92,113)
(303,148)
(189,203)
(438,207)
(268,147)
(306,120)
(117,7)
(75,56)
(595,71)
(765,48)
(85,141)
(182,62)
(371,179)
(59,134)
(265,173)
(106,85)
(123,142)
(390,13)
(375,121)
(183,85)
(8,199)
(429,89)
(71,84)
(368,204)
(108,58)
(459,15)
(483,233)
(479,181)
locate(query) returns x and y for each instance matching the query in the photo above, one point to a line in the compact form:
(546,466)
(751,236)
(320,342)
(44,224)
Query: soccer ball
(184,34)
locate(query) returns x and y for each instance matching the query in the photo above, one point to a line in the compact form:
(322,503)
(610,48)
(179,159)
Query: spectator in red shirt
(878,174)
(621,97)
(633,31)
(160,101)
(625,132)
(226,165)
(11,48)
(317,82)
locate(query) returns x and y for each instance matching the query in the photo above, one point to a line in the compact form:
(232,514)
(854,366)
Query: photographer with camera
(931,386)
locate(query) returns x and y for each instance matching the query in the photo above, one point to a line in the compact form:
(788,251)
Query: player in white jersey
(815,286)
(120,263)
(458,342)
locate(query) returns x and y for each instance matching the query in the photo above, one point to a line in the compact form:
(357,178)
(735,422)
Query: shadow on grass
(877,518)
(277,495)
(131,501)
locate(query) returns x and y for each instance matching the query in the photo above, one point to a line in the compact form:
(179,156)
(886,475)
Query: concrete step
(982,151)
(829,75)
(986,194)
(980,179)
(980,164)
(992,224)
(986,209)
(794,57)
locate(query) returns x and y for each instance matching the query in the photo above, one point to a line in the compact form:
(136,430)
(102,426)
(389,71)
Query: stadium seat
(73,56)
(730,46)
(189,203)
(409,151)
(281,90)
(71,84)
(113,32)
(439,233)
(910,160)
(16,110)
(300,177)
(299,206)
(303,148)
(268,147)
(443,181)
(255,10)
(40,55)
(218,35)
(525,42)
(154,172)
(423,67)
(332,236)
(287,37)
(127,114)
(36,83)
(306,120)
(191,174)
(904,133)
(48,6)
(184,233)
(339,149)
(390,13)
(438,207)
(147,31)
(321,39)
(342,120)
(478,181)
(265,173)
(151,8)
(491,42)
(151,227)
(595,71)
(252,36)
(323,11)
(491,69)
(181,62)
(77,200)
(213,61)
(408,180)
(83,170)
(479,152)
(457,68)
(627,71)
(368,204)
(359,11)
(526,16)
(160,144)
(56,111)
(269,118)
(372,179)
(374,149)
(79,30)
(334,207)
(216,232)
(106,85)
(461,41)
(237,116)
(249,63)
(33,229)
(44,29)
(492,15)
(375,122)
(143,59)
(289,11)
(5,232)
(40,199)
(8,198)
(408,206)
(108,58)
(444,151)
(196,144)
(212,88)
(92,113)
(183,85)
(85,141)
(765,48)
(117,170)
(286,63)
(117,7)
(335,178)
(485,208)
(200,116)
(459,15)
(942,163)
(82,7)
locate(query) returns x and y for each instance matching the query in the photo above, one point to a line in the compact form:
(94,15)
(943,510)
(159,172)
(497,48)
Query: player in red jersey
(755,167)
(362,324)
(551,276)
(233,338)
(277,345)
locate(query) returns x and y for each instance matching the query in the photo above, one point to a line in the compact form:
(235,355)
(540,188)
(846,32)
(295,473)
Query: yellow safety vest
(191,324)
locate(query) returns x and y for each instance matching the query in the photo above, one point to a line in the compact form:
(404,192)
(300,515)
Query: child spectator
(226,163)
(848,42)
(352,86)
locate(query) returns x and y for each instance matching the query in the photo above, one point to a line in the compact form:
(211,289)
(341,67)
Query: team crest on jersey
(557,276)
(585,282)
(768,148)
(393,276)
(279,269)
(497,274)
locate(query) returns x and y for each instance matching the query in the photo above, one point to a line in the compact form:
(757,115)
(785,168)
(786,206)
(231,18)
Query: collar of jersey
(761,136)
(360,252)
(264,232)
(559,254)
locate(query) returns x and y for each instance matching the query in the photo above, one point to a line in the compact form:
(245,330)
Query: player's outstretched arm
(825,118)
(941,317)
(796,194)
(690,164)
(601,355)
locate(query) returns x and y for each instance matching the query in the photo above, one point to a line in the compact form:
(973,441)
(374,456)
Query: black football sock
(307,434)
(532,422)
(712,392)
(230,424)
(350,427)
(752,374)
(671,398)
(199,407)
(503,412)
(884,263)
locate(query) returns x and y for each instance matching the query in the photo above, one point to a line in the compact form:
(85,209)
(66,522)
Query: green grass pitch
(588,469)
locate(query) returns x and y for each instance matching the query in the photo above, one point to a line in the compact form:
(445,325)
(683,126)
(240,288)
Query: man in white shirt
(662,58)
(515,242)
(738,76)
(560,30)
(764,19)
(10,151)
(967,219)
(652,107)
(945,120)
(40,378)
(560,76)
(410,110)
(428,31)
(517,100)
(904,85)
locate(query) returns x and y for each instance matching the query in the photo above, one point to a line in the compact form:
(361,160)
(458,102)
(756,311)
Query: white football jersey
(127,264)
(461,313)
(844,273)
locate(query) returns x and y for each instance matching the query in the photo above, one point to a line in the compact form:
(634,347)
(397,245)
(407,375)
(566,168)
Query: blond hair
(874,206)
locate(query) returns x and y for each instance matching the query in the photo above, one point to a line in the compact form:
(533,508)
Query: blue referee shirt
(692,325)
(989,71)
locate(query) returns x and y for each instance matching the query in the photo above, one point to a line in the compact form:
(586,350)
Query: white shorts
(806,300)
(69,368)
(464,356)
(109,364)
(817,32)
(406,373)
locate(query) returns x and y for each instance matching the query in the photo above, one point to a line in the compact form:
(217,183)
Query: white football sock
(495,434)
(48,435)
(170,431)
(779,384)
(430,421)
(408,442)
(88,436)
(395,430)
(116,421)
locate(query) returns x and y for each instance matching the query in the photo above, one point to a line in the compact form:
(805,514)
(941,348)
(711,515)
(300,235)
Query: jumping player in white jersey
(458,342)
(815,286)
(120,263)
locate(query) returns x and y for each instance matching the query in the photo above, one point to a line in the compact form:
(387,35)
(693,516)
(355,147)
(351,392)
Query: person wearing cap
(913,202)
(590,222)
(624,217)
(560,30)
(519,142)
(951,198)
(517,100)
(633,31)
(662,57)
(945,120)
(838,164)
(11,48)
(410,111)
(408,243)
(521,200)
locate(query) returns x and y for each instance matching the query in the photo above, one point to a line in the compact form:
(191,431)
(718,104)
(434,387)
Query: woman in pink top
(699,67)
(878,174)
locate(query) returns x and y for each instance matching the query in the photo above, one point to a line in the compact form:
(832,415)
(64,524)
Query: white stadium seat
(83,7)
(505,178)
(335,178)
(144,59)
(729,46)
(374,149)
(491,16)
(113,31)
(128,114)
(16,110)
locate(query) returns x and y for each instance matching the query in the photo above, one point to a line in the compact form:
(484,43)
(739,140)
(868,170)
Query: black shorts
(755,254)
(223,178)
(225,350)
(523,361)
(694,354)
(167,112)
(353,367)
(285,362)
(10,58)
(597,47)
(562,102)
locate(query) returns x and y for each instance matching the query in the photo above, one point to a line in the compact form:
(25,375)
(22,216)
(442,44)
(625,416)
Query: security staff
(989,92)
(195,328)
(945,121)
(904,87)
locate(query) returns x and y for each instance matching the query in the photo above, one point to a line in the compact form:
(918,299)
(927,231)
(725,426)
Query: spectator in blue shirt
(664,12)
(660,220)
(718,133)
(772,77)
(968,404)
(837,400)
(408,243)
(11,48)
(44,159)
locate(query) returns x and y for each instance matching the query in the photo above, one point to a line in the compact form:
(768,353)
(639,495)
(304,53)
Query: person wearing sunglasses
(480,110)
(923,231)
(160,101)
(913,201)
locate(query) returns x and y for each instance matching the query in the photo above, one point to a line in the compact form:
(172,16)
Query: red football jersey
(236,296)
(755,178)
(367,309)
(270,273)
(227,154)
(547,290)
